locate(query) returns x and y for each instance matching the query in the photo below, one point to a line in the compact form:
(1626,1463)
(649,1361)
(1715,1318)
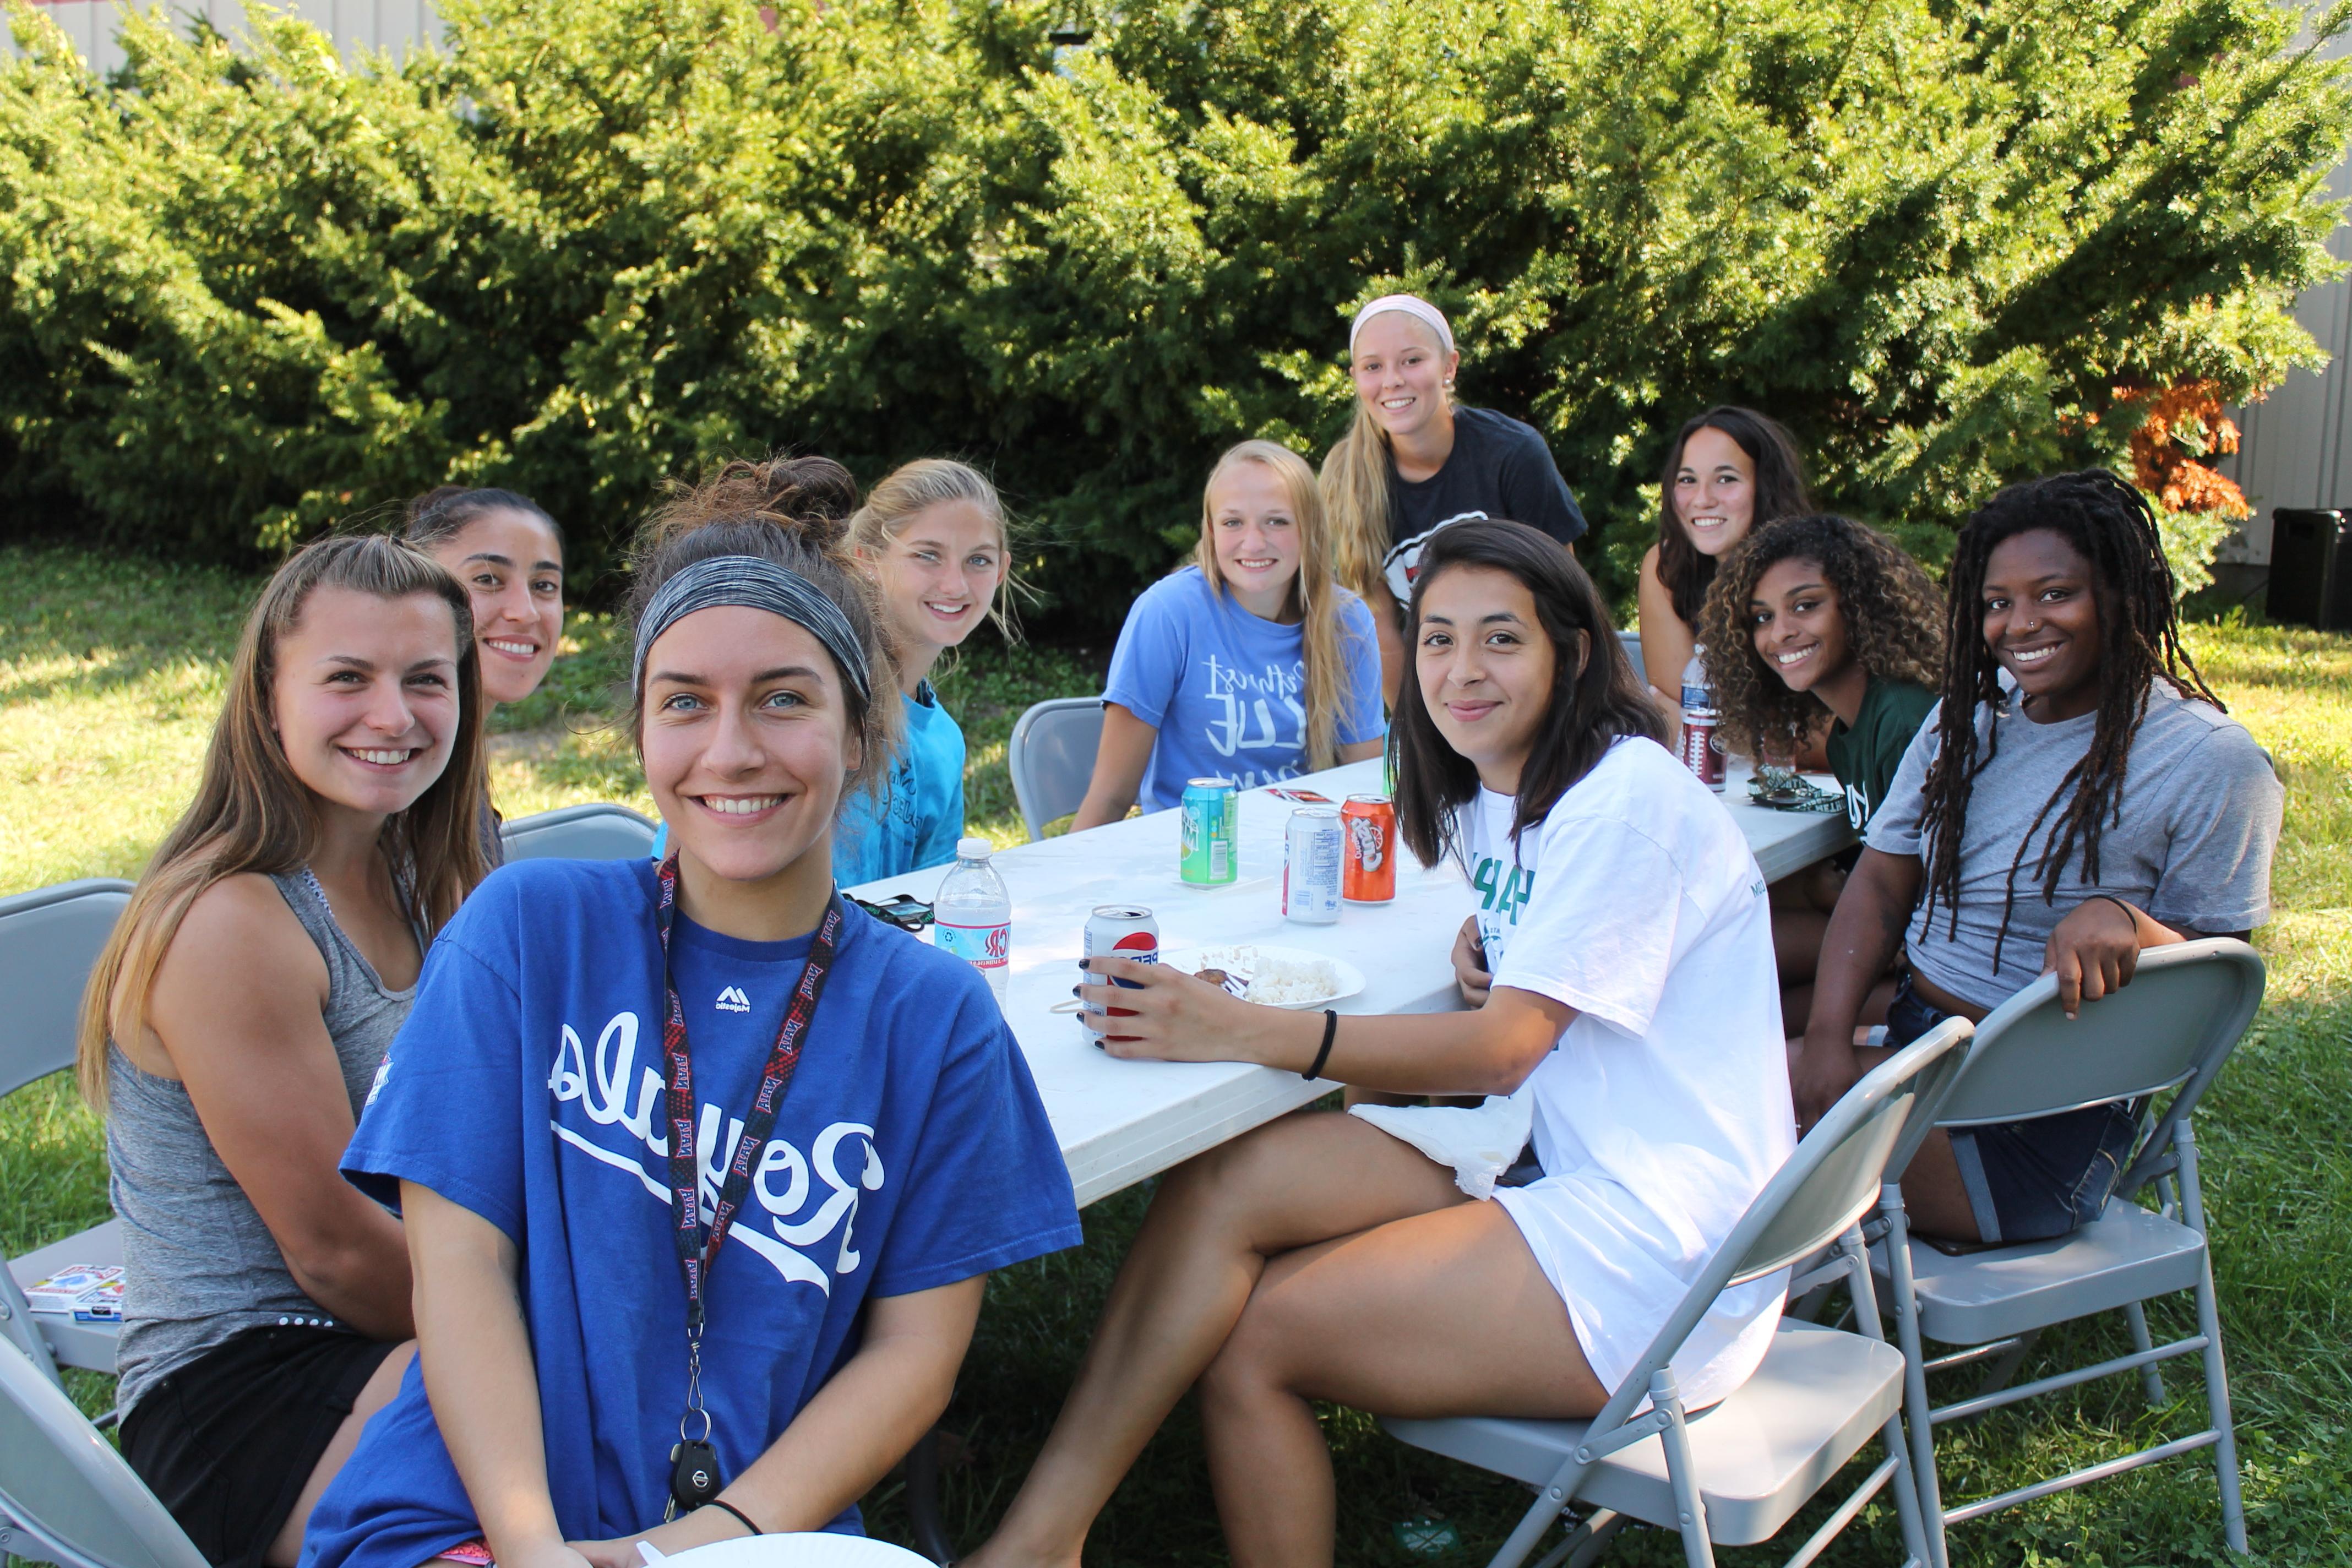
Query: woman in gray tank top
(235,1022)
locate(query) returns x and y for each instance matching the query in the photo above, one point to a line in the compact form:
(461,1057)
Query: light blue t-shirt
(1227,691)
(910,1152)
(919,816)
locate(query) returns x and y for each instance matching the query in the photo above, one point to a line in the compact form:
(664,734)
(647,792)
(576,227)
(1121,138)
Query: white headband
(1412,305)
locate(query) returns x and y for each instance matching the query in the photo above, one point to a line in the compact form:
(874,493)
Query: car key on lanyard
(694,1479)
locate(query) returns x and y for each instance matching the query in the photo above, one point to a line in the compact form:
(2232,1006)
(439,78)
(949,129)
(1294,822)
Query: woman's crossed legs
(1316,1258)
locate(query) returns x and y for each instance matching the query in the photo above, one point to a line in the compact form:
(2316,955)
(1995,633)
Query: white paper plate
(1190,959)
(814,1550)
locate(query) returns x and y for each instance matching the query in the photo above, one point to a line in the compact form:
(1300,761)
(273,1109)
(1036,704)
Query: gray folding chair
(1052,758)
(595,832)
(1737,1471)
(49,938)
(1632,643)
(66,1495)
(2171,1028)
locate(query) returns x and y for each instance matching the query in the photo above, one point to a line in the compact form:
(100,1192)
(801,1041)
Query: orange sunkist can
(1370,873)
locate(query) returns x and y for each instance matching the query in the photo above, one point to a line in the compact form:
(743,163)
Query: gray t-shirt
(2199,821)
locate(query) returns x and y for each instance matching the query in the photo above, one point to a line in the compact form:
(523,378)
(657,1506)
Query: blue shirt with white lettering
(1227,691)
(910,1152)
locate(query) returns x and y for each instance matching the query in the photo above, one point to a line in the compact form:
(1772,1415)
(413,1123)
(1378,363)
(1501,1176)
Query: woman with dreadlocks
(2104,806)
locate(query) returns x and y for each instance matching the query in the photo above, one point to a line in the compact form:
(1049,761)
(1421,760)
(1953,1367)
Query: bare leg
(1211,1228)
(1933,1197)
(374,1396)
(1445,1314)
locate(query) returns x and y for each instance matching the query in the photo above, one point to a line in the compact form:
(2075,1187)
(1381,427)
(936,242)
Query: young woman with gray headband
(701,1165)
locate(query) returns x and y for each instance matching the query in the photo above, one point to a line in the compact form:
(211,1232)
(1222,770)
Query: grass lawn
(110,673)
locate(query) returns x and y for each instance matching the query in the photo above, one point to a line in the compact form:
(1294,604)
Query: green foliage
(2190,539)
(246,291)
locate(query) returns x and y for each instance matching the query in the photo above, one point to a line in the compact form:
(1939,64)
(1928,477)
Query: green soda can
(1210,853)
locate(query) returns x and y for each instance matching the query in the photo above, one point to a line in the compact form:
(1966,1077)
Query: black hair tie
(1330,1032)
(739,1513)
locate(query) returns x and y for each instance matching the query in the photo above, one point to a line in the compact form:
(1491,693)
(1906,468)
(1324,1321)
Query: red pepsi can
(1116,931)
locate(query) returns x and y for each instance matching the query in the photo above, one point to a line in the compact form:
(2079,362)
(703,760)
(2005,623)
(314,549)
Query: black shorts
(2034,1180)
(229,1440)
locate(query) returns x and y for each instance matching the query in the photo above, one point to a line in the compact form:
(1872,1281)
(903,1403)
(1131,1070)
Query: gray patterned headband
(761,584)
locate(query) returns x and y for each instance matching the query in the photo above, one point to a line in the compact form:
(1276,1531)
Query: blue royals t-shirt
(1227,691)
(918,820)
(910,1152)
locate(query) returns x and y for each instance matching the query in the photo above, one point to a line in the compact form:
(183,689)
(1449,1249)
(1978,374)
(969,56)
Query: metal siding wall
(2295,447)
(354,24)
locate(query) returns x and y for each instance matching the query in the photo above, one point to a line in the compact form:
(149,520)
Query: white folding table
(1119,1121)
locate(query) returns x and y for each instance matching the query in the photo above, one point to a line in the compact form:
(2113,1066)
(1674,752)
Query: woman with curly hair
(2097,802)
(1811,612)
(1820,612)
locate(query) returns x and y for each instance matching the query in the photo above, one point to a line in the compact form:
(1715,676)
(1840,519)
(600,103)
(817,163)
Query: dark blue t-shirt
(910,1152)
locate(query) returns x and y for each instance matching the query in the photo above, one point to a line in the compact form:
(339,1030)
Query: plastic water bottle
(973,915)
(1700,753)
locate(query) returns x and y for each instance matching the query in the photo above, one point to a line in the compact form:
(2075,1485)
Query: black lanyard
(697,1248)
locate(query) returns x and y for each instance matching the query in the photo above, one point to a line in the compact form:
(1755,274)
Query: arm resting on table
(1180,1018)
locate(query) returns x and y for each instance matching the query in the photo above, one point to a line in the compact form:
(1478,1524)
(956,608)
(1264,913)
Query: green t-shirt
(1865,757)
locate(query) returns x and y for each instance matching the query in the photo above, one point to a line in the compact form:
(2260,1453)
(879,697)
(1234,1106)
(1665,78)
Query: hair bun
(810,495)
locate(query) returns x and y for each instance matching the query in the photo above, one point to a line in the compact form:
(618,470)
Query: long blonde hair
(1355,481)
(1316,594)
(253,814)
(917,486)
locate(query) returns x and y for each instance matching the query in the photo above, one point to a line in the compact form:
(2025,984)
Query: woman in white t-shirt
(1631,1019)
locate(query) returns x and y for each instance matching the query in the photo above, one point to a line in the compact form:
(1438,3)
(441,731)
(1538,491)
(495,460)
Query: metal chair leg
(2151,1380)
(2004,1366)
(2209,1324)
(923,1500)
(1682,1471)
(1916,1408)
(1866,1311)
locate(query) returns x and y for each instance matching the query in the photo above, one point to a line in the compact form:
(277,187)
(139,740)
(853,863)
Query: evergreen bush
(246,291)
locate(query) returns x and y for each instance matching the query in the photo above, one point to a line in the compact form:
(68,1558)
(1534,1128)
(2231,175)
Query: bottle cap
(973,848)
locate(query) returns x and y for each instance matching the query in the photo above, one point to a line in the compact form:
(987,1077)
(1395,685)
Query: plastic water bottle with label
(972,916)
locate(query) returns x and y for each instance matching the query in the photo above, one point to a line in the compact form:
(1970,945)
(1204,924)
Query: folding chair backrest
(1632,643)
(69,1490)
(2174,1024)
(1052,759)
(593,832)
(49,938)
(1834,1178)
(1819,1193)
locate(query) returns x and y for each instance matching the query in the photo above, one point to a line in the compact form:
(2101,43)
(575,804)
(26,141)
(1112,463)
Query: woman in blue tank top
(235,1022)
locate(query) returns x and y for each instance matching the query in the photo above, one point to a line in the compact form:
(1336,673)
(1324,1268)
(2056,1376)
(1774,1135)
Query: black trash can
(2310,569)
